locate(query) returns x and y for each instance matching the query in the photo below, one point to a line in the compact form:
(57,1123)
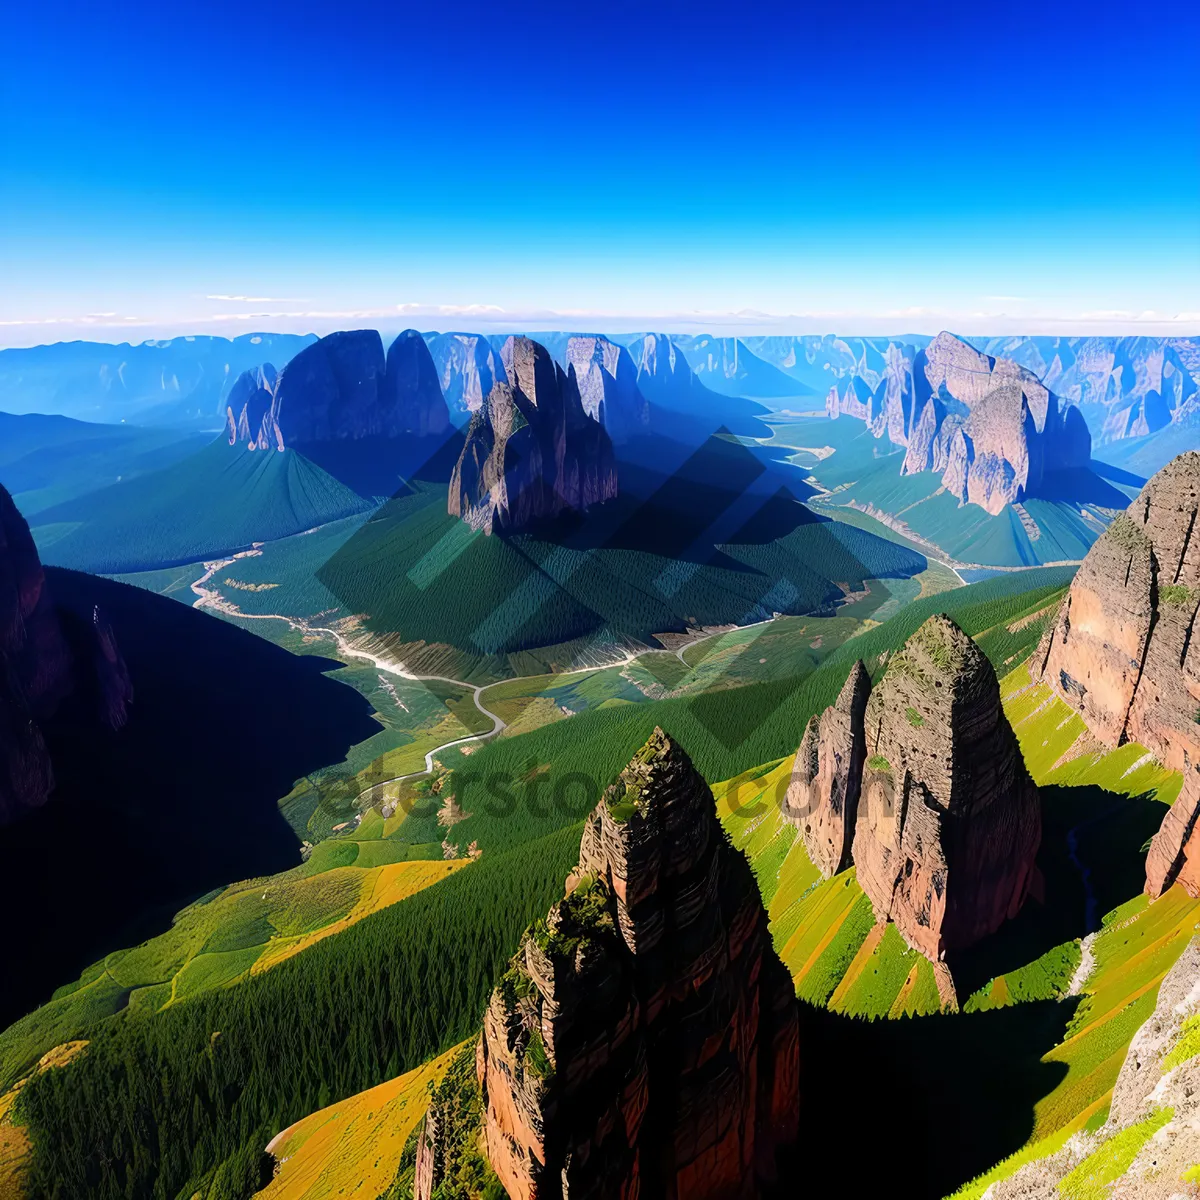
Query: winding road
(211,598)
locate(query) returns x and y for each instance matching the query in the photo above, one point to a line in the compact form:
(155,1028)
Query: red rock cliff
(1122,651)
(949,821)
(1175,849)
(822,797)
(644,1042)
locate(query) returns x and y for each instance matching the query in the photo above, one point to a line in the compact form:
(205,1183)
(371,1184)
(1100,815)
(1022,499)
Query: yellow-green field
(352,1148)
(242,929)
(825,933)
(15,1146)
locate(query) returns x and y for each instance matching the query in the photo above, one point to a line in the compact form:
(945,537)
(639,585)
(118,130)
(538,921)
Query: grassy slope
(246,928)
(500,598)
(218,500)
(762,717)
(46,460)
(352,1148)
(824,930)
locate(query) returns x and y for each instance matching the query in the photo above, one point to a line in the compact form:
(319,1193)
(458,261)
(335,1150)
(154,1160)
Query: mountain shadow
(1091,859)
(381,466)
(178,802)
(938,1099)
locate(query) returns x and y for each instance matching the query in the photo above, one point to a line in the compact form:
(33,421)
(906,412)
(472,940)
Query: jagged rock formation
(644,1040)
(880,389)
(663,373)
(987,425)
(250,414)
(40,668)
(949,821)
(532,452)
(822,797)
(341,388)
(468,368)
(1125,387)
(729,366)
(1122,651)
(1174,855)
(608,386)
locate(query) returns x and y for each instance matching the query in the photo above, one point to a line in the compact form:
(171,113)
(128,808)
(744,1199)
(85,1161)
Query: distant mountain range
(180,381)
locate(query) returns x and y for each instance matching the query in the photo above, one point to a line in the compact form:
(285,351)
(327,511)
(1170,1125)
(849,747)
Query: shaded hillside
(181,800)
(676,556)
(47,460)
(215,502)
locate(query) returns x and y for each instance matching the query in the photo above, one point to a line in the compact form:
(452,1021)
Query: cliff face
(468,368)
(608,386)
(40,668)
(1122,650)
(663,373)
(1174,855)
(949,821)
(340,388)
(987,425)
(644,1041)
(822,797)
(1124,387)
(250,415)
(532,452)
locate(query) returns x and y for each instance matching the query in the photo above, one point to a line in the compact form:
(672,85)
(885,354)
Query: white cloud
(993,319)
(262,299)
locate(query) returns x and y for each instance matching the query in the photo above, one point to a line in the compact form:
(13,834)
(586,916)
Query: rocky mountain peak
(340,387)
(531,452)
(822,797)
(989,426)
(250,414)
(949,821)
(1122,650)
(608,388)
(644,1039)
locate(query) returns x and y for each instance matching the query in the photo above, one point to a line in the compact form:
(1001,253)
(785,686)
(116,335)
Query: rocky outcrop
(340,388)
(532,453)
(40,668)
(988,426)
(879,391)
(949,821)
(1124,387)
(1122,651)
(608,388)
(1174,855)
(664,375)
(822,797)
(410,395)
(644,1040)
(729,366)
(468,368)
(250,414)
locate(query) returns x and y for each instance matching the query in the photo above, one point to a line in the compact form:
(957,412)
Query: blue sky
(857,167)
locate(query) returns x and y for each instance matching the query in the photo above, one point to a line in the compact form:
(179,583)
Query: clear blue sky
(858,166)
